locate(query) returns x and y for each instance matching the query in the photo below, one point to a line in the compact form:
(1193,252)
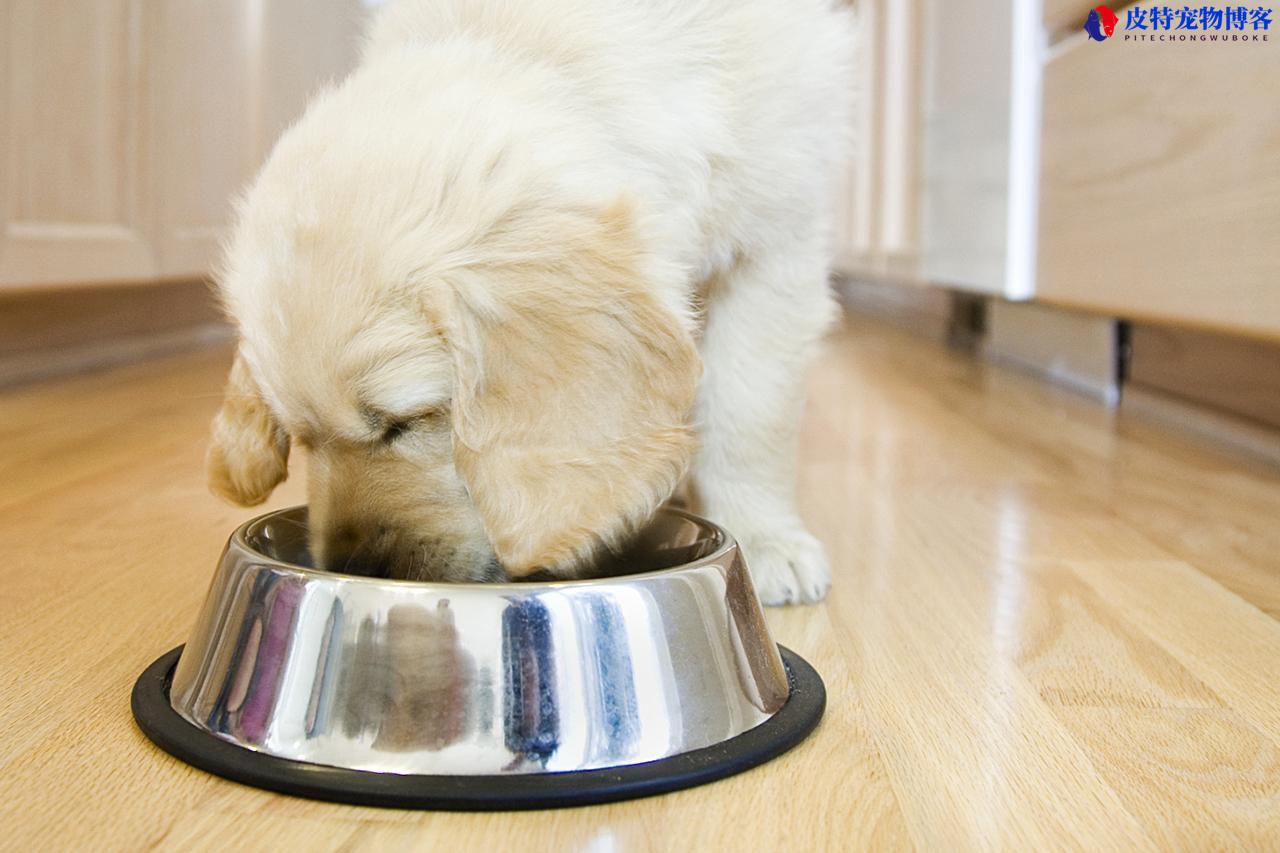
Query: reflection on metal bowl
(478,680)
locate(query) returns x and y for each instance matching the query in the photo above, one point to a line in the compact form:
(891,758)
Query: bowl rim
(239,538)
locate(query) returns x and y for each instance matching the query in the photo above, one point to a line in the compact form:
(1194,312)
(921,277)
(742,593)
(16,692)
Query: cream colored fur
(464,282)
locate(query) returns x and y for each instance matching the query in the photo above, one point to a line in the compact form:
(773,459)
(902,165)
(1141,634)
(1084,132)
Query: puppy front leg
(764,320)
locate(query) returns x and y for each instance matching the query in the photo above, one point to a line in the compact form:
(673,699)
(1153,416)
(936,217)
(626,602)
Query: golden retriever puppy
(465,281)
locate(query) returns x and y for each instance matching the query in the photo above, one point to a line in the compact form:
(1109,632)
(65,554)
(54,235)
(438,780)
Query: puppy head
(457,327)
(512,400)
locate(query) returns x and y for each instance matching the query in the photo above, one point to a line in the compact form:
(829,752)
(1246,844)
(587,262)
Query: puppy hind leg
(764,321)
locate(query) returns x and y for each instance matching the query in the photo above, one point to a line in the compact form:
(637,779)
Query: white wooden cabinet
(943,173)
(1160,200)
(74,146)
(204,123)
(980,130)
(127,126)
(1024,161)
(877,223)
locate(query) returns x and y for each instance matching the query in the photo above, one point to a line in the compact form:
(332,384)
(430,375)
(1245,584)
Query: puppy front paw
(788,565)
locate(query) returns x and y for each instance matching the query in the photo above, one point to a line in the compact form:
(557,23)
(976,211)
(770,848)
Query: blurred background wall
(1104,214)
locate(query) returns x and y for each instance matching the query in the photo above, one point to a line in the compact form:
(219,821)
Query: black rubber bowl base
(159,722)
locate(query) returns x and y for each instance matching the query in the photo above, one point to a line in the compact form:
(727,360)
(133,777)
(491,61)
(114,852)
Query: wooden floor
(1050,628)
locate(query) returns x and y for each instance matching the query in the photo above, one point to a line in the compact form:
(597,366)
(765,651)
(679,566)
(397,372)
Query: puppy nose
(343,538)
(349,551)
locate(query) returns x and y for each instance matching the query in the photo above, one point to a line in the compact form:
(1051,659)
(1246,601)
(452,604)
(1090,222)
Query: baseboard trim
(919,309)
(1076,351)
(51,333)
(22,368)
(1232,433)
(1236,376)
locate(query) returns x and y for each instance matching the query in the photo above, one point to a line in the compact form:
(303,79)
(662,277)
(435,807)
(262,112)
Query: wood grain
(1051,628)
(1237,376)
(1065,17)
(1159,197)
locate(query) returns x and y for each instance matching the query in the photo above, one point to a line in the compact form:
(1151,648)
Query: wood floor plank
(1231,645)
(1014,775)
(1204,770)
(1050,627)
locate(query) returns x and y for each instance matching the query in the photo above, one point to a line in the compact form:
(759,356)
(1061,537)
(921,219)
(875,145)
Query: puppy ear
(249,454)
(574,387)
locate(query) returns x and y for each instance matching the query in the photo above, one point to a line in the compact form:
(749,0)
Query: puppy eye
(395,430)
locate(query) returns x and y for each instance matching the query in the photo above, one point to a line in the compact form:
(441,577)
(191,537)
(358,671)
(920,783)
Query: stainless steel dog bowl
(479,695)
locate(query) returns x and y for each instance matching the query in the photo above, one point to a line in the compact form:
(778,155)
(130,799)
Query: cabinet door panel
(73,179)
(1160,196)
(206,123)
(230,77)
(878,213)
